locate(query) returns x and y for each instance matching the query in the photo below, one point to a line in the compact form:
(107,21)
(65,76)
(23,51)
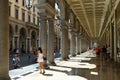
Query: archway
(22,40)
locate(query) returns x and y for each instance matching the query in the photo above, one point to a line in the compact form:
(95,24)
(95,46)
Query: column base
(78,53)
(68,57)
(5,78)
(65,59)
(73,55)
(46,66)
(52,63)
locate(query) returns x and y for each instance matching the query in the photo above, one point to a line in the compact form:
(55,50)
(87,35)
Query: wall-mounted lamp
(29,4)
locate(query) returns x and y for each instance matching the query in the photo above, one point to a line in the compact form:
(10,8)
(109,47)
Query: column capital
(46,9)
(63,25)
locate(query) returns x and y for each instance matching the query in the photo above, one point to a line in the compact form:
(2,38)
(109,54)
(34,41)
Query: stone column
(64,42)
(67,44)
(72,43)
(46,10)
(50,42)
(78,44)
(4,40)
(76,39)
(112,41)
(43,35)
(115,38)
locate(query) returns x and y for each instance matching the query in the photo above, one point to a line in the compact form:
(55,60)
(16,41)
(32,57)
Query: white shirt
(40,57)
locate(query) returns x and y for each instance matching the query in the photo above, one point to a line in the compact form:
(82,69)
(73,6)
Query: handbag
(44,58)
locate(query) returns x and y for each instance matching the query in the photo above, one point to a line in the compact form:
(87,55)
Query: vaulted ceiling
(91,14)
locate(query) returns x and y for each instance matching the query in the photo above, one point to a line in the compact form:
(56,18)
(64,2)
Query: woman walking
(40,61)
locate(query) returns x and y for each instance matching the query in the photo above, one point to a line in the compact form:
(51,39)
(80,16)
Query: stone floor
(82,67)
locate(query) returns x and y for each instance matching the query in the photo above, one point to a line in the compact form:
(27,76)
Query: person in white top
(40,61)
(17,51)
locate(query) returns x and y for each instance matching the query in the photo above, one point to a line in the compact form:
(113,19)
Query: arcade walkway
(82,67)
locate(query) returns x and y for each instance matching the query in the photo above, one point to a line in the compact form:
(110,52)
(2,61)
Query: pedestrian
(108,53)
(40,61)
(16,61)
(97,51)
(104,52)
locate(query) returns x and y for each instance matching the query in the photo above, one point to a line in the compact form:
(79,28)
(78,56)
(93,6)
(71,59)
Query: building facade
(23,26)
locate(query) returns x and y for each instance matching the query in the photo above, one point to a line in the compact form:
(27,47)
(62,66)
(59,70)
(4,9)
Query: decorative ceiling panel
(90,14)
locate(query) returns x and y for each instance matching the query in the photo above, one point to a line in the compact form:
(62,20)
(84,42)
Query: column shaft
(72,44)
(67,43)
(43,35)
(79,45)
(64,44)
(50,42)
(4,40)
